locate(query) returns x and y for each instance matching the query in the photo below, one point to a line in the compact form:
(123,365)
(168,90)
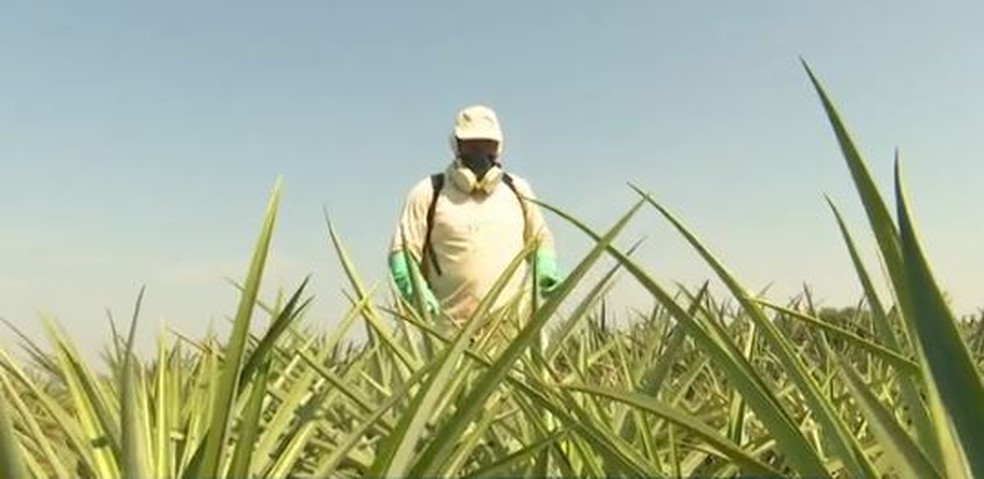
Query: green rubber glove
(433,305)
(547,275)
(399,266)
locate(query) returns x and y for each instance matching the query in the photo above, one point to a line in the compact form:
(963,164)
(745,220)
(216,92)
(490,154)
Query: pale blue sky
(138,143)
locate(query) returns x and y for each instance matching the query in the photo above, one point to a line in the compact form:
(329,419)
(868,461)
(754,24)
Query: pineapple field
(702,385)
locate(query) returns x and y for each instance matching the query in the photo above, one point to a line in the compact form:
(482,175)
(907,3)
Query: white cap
(477,122)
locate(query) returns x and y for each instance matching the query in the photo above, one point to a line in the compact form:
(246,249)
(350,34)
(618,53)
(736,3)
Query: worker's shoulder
(422,190)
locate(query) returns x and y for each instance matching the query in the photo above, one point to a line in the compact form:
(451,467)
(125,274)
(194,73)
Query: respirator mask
(476,173)
(479,164)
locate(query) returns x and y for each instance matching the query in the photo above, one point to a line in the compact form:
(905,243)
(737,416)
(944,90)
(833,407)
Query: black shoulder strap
(508,179)
(511,183)
(437,183)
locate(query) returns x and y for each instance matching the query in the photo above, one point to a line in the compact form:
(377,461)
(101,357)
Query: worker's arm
(545,258)
(407,244)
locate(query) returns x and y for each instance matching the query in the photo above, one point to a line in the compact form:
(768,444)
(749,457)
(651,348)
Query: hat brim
(478,134)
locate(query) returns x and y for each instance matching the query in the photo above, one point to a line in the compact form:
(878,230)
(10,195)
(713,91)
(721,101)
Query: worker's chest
(465,222)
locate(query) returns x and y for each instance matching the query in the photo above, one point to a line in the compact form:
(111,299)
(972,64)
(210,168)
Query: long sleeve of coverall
(406,243)
(548,275)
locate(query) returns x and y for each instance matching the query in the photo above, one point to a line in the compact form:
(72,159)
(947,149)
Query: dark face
(477,147)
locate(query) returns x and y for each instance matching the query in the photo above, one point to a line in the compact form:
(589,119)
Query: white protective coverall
(475,235)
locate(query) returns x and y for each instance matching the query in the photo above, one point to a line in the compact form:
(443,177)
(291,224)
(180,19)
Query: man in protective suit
(463,227)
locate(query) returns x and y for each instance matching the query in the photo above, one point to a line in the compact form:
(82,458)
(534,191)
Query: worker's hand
(547,276)
(431,302)
(400,265)
(548,284)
